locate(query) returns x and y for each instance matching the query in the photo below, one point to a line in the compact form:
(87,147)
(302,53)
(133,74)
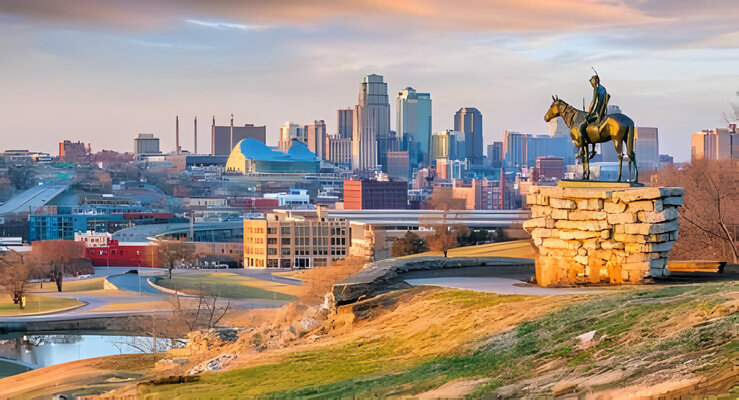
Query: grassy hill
(453,343)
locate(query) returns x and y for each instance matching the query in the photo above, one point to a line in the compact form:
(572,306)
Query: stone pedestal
(588,235)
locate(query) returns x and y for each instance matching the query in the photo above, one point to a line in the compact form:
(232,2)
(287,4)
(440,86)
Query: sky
(103,71)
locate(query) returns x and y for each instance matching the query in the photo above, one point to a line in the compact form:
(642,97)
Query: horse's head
(553,111)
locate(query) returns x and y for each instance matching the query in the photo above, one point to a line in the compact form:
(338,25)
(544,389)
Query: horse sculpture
(616,127)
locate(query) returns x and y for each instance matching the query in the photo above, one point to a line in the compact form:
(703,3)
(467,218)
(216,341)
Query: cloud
(225,25)
(478,15)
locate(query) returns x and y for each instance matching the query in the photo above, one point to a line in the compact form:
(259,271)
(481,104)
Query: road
(136,297)
(502,280)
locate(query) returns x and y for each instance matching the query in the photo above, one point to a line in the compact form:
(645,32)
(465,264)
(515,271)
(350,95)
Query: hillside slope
(432,342)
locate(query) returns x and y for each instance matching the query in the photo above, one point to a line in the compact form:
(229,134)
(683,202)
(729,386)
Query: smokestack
(232,134)
(196,136)
(177,134)
(213,137)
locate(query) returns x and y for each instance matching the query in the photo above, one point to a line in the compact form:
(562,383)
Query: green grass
(625,322)
(35,304)
(470,298)
(82,285)
(226,285)
(8,368)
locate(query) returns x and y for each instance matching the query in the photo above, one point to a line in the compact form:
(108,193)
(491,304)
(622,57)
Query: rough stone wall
(602,235)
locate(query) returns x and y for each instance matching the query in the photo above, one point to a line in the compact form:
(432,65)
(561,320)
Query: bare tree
(58,258)
(445,235)
(205,312)
(709,216)
(15,271)
(160,332)
(173,253)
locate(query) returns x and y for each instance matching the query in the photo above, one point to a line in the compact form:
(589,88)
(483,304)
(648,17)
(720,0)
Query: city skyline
(103,73)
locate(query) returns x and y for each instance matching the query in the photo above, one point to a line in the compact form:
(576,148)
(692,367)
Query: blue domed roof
(254,149)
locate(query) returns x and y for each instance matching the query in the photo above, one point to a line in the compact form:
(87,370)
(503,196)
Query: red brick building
(375,195)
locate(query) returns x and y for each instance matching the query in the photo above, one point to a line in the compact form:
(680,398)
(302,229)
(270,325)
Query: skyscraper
(288,132)
(345,121)
(223,138)
(646,148)
(469,121)
(317,138)
(414,125)
(371,125)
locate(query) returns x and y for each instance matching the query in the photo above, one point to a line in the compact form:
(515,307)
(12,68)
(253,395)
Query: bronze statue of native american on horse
(596,126)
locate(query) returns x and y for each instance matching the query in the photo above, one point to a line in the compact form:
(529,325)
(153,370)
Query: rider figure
(597,110)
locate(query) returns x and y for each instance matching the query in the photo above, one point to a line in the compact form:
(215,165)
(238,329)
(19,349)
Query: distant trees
(173,253)
(409,244)
(15,271)
(446,234)
(709,216)
(57,258)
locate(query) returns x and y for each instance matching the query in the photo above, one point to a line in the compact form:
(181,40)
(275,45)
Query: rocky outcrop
(602,235)
(374,278)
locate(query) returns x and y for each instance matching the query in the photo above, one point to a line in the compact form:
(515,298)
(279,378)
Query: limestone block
(562,203)
(537,241)
(645,205)
(627,238)
(648,247)
(551,191)
(605,234)
(533,189)
(560,244)
(577,235)
(586,215)
(591,244)
(537,199)
(560,252)
(673,235)
(587,193)
(558,213)
(540,211)
(658,272)
(667,214)
(641,257)
(611,244)
(647,229)
(541,222)
(673,201)
(659,237)
(582,252)
(590,204)
(618,229)
(581,259)
(543,233)
(582,225)
(612,207)
(647,193)
(622,218)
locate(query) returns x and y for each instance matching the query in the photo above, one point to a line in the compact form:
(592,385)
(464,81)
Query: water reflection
(51,349)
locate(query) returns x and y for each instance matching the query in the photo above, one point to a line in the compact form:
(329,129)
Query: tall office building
(290,131)
(449,145)
(414,125)
(495,154)
(145,143)
(714,144)
(345,121)
(522,149)
(317,139)
(340,150)
(371,124)
(469,121)
(647,148)
(224,138)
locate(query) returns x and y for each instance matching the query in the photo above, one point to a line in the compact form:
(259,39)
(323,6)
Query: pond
(42,350)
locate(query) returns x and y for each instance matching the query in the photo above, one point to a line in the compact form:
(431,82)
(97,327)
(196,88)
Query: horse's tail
(631,136)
